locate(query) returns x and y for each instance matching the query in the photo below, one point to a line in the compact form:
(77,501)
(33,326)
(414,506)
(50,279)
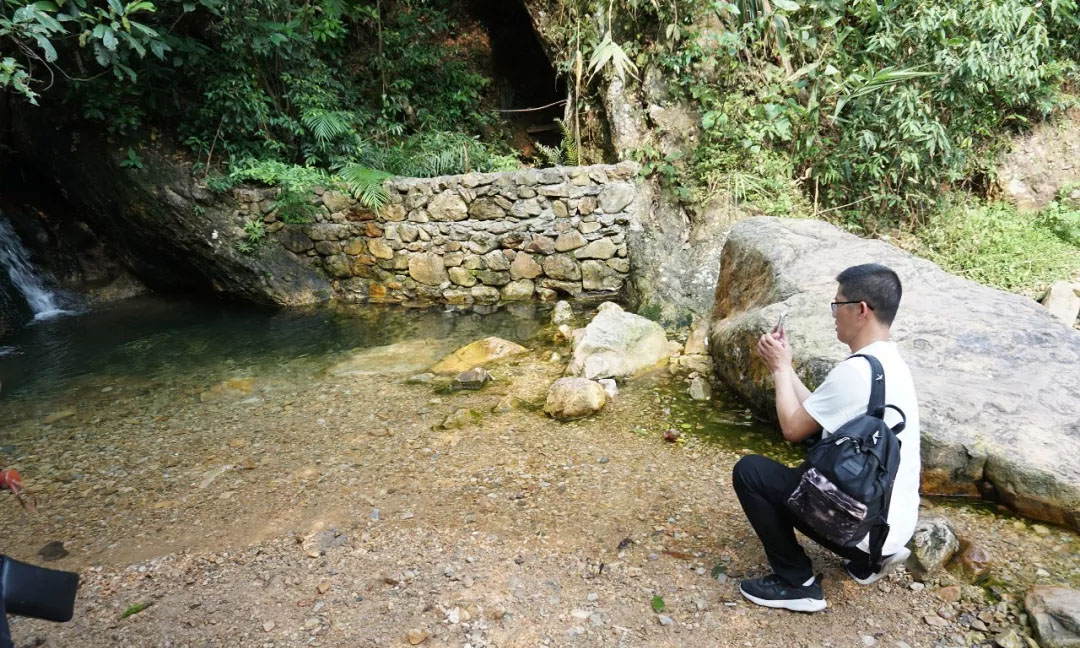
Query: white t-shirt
(845,394)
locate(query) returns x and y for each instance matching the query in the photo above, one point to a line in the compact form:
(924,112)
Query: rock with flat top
(478,353)
(617,344)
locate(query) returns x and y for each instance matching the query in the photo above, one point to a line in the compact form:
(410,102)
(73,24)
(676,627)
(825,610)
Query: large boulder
(617,344)
(1055,614)
(477,353)
(998,377)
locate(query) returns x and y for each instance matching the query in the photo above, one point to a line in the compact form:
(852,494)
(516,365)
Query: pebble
(323,586)
(268,626)
(935,621)
(602,460)
(1042,573)
(374,514)
(578,613)
(665,620)
(416,636)
(867,640)
(653,556)
(917,587)
(592,596)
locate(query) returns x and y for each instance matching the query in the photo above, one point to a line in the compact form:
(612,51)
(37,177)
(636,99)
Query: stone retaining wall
(479,237)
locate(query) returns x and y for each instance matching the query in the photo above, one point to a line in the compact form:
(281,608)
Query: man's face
(846,318)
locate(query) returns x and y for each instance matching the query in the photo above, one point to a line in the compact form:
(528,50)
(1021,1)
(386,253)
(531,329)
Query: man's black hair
(874,284)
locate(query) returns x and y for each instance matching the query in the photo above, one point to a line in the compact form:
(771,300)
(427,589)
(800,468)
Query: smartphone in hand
(780,323)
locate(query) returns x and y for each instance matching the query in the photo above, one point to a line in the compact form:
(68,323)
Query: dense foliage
(874,113)
(324,84)
(884,115)
(872,107)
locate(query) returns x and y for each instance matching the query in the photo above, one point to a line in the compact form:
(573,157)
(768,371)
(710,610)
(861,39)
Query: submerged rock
(617,344)
(1055,616)
(477,353)
(408,357)
(562,313)
(973,561)
(573,398)
(700,389)
(998,377)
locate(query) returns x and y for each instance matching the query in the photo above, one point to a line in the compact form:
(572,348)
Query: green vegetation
(883,116)
(996,245)
(135,609)
(880,116)
(291,93)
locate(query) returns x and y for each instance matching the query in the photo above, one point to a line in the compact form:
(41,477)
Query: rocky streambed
(320,499)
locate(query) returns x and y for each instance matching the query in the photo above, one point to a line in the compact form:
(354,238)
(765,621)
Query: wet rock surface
(998,377)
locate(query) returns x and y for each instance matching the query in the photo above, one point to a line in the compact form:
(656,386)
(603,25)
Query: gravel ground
(306,508)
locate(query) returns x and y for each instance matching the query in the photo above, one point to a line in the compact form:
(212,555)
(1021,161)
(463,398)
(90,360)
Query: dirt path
(329,512)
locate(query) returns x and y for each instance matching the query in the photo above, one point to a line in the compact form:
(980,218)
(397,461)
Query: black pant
(763,487)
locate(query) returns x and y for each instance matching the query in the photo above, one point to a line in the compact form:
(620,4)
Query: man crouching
(866,302)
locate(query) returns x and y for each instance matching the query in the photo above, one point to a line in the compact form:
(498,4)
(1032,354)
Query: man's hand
(775,351)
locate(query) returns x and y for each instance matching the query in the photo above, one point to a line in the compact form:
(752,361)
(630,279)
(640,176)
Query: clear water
(159,343)
(155,339)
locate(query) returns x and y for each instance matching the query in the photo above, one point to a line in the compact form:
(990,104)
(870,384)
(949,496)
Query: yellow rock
(245,385)
(477,354)
(58,416)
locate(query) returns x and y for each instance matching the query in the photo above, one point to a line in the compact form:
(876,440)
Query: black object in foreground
(36,592)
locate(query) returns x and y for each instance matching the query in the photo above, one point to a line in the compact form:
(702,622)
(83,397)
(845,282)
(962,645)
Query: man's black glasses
(833,305)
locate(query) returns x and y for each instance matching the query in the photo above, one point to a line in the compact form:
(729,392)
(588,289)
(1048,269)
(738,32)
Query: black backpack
(845,492)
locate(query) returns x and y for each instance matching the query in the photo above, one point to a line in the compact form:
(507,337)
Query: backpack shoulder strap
(877,385)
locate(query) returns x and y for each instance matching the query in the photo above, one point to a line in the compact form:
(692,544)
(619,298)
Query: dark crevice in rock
(523,76)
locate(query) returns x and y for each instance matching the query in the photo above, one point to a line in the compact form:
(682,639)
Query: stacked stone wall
(473,238)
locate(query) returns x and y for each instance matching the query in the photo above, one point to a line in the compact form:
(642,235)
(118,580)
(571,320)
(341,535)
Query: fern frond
(551,155)
(366,185)
(326,125)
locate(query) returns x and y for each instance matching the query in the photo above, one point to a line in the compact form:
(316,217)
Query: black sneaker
(864,575)
(773,591)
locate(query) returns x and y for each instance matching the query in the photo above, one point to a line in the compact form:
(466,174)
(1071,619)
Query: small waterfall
(14,258)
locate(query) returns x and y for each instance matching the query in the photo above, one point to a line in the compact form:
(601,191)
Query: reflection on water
(159,338)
